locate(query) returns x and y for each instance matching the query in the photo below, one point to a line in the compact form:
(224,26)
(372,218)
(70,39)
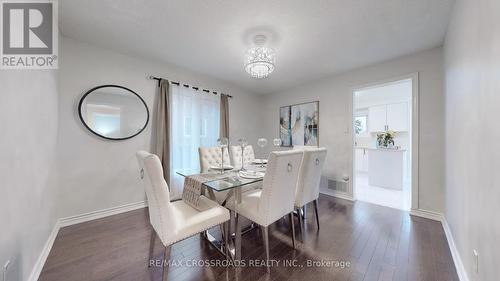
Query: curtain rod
(151,77)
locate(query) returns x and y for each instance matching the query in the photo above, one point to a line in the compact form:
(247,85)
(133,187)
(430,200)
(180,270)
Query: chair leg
(226,240)
(151,246)
(165,262)
(222,228)
(316,211)
(237,238)
(265,237)
(301,223)
(292,224)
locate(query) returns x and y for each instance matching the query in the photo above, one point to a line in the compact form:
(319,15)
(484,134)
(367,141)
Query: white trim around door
(414,134)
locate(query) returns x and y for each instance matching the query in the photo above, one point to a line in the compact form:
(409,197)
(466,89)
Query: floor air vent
(337,185)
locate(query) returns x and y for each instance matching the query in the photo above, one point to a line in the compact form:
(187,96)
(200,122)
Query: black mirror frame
(116,86)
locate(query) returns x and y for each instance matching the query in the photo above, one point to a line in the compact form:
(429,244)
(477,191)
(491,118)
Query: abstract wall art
(299,124)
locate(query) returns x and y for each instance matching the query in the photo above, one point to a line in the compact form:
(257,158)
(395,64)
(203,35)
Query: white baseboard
(101,213)
(37,268)
(457,260)
(427,214)
(462,273)
(344,196)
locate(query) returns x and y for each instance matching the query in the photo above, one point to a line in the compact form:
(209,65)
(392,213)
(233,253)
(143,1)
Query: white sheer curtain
(195,122)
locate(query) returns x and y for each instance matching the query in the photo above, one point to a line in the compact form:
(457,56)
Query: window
(204,128)
(360,124)
(195,122)
(187,126)
(105,119)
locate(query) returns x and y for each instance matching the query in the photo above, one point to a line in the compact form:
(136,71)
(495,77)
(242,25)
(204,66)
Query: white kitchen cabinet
(386,168)
(358,154)
(388,117)
(397,117)
(361,155)
(377,118)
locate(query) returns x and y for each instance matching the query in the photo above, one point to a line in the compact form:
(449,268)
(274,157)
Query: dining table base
(230,245)
(224,245)
(220,245)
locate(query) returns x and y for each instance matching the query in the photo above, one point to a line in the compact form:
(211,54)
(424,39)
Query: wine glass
(223,143)
(262,142)
(243,143)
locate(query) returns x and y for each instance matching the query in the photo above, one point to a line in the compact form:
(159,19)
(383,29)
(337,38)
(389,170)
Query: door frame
(415,117)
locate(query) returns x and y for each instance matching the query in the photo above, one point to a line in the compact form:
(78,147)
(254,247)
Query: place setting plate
(251,174)
(218,168)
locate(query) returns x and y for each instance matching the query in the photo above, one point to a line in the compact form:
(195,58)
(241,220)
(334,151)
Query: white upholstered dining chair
(212,156)
(276,198)
(308,181)
(174,221)
(235,153)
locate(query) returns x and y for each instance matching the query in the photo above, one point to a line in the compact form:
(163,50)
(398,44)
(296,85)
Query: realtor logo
(29,35)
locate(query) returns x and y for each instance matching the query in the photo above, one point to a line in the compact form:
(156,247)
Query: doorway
(384,143)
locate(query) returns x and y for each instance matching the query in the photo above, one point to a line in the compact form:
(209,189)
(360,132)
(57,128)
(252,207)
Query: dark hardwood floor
(377,243)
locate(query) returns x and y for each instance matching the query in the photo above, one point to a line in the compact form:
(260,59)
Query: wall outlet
(475,260)
(5,270)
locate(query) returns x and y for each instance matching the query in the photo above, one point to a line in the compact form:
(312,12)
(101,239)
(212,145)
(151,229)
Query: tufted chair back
(248,155)
(278,187)
(212,156)
(309,176)
(156,192)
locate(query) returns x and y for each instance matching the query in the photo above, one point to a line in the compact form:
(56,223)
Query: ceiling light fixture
(260,60)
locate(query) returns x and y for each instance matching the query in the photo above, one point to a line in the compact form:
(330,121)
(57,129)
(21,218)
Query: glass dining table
(233,182)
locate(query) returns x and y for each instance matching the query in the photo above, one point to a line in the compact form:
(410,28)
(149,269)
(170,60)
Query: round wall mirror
(113,112)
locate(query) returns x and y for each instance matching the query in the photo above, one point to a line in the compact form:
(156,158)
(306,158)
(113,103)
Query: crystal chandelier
(260,60)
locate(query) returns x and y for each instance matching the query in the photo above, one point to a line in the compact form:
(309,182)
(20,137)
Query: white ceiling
(312,38)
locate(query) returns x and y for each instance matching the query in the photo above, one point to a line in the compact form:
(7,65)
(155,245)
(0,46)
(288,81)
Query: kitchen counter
(385,167)
(381,149)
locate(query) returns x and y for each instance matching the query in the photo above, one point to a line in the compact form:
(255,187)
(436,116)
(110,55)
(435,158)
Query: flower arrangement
(386,139)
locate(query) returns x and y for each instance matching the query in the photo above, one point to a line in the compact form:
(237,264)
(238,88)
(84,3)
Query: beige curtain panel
(224,116)
(163,128)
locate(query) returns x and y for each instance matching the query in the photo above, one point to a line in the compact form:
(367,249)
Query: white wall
(394,92)
(28,126)
(96,173)
(472,65)
(334,94)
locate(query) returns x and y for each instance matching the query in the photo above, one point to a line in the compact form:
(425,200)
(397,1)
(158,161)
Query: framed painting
(299,124)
